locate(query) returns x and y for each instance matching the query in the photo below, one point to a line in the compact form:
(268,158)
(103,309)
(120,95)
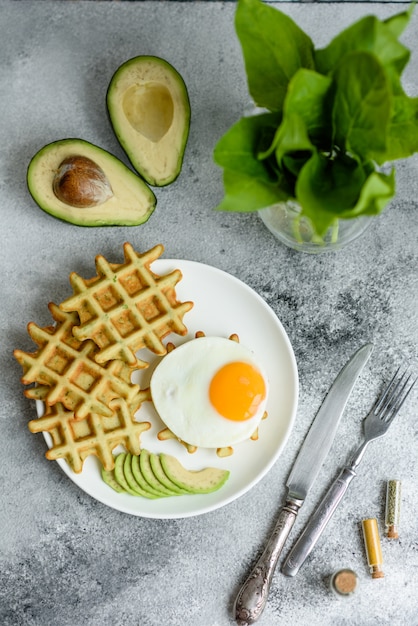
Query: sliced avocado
(149,110)
(200,481)
(130,479)
(85,185)
(162,477)
(147,473)
(140,480)
(120,475)
(109,478)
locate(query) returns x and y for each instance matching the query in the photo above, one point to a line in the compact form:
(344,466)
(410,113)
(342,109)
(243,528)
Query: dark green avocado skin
(147,156)
(132,202)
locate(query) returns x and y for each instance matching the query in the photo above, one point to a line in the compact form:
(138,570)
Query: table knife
(252,597)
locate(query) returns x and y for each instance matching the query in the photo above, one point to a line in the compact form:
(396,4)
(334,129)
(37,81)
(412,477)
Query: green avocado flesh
(149,110)
(94,187)
(155,476)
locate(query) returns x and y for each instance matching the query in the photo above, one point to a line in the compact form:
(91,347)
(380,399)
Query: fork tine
(382,399)
(401,398)
(393,397)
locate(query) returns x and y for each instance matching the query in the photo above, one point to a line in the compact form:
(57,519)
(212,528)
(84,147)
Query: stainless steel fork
(375,425)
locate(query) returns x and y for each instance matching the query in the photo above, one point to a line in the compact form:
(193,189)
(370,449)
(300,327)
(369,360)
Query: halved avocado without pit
(149,110)
(85,185)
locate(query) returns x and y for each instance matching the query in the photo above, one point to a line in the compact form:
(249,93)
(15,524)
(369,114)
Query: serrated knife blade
(252,597)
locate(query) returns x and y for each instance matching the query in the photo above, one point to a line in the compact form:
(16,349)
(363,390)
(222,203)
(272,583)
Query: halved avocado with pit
(85,185)
(149,110)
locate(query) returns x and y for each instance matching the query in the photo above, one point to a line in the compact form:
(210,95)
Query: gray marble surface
(66,559)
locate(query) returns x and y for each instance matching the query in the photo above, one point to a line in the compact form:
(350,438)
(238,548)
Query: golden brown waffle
(127,307)
(68,369)
(75,440)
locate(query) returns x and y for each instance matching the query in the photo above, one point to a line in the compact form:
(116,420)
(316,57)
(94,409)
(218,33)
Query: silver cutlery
(252,597)
(375,425)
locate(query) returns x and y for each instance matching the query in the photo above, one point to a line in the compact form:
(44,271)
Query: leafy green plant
(331,117)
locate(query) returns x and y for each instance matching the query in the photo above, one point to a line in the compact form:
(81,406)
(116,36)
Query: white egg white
(180,392)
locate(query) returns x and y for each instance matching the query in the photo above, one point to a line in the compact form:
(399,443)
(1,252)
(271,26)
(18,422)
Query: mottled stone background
(67,560)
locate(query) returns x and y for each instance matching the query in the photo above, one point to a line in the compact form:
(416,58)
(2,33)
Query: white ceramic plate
(222,305)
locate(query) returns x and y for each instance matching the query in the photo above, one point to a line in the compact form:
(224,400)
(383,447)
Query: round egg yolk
(236,391)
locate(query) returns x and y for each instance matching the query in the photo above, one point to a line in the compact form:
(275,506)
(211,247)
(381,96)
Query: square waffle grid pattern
(127,307)
(67,367)
(91,402)
(75,440)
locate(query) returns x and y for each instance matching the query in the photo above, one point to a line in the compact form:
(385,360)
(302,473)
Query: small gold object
(373,547)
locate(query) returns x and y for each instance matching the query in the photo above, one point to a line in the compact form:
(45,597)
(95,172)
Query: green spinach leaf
(367,35)
(309,96)
(362,105)
(306,120)
(292,144)
(338,112)
(341,188)
(246,193)
(403,128)
(237,150)
(326,189)
(397,23)
(274,48)
(376,192)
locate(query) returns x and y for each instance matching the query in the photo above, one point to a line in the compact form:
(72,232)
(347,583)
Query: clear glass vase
(284,220)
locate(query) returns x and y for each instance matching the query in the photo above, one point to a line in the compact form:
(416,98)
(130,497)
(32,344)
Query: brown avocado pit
(80,182)
(85,185)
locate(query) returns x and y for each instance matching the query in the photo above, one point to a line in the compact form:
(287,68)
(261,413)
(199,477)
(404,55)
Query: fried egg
(210,392)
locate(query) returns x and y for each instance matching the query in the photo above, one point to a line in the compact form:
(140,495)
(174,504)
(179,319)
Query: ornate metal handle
(252,597)
(313,530)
